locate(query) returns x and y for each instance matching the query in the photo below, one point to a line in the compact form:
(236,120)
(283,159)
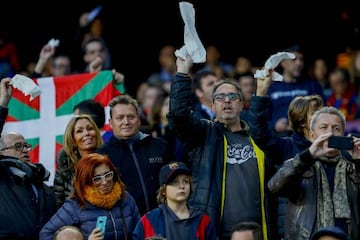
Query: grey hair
(329,110)
(227,81)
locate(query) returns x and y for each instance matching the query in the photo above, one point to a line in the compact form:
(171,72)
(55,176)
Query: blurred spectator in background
(202,87)
(167,69)
(319,71)
(9,60)
(247,83)
(295,83)
(97,57)
(49,64)
(91,25)
(214,63)
(343,95)
(242,65)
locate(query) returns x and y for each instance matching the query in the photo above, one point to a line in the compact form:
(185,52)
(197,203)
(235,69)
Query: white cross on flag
(42,121)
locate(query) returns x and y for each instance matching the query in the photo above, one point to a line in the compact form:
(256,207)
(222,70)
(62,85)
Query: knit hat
(171,170)
(330,231)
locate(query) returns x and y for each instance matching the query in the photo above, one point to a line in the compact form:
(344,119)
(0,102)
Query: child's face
(178,190)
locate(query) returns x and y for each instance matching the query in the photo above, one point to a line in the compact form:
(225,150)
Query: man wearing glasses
(27,203)
(13,144)
(228,169)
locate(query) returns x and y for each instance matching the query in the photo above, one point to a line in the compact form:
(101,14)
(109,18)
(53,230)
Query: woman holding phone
(100,194)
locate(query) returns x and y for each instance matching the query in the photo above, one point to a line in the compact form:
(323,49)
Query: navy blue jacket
(139,167)
(278,148)
(153,224)
(70,213)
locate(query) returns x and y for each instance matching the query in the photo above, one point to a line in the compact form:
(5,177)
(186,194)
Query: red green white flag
(42,121)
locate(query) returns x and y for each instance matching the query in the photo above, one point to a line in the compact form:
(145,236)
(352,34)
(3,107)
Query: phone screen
(101,223)
(341,142)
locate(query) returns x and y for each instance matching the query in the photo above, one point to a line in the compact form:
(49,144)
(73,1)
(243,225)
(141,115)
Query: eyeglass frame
(230,95)
(103,177)
(19,146)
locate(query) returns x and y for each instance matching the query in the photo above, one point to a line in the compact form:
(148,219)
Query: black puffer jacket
(22,213)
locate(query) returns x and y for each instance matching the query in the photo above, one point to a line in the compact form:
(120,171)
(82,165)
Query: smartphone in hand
(341,142)
(101,223)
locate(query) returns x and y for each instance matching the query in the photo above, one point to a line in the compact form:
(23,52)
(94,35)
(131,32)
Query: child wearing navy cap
(174,219)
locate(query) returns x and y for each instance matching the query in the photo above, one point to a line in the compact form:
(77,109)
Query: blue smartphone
(101,223)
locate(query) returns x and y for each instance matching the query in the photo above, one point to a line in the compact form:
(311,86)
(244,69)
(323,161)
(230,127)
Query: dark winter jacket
(277,148)
(153,224)
(297,180)
(205,140)
(124,211)
(139,166)
(23,211)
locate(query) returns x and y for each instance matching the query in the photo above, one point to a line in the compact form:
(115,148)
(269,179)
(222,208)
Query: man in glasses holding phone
(228,169)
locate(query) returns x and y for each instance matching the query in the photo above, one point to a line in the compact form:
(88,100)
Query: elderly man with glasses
(13,144)
(27,203)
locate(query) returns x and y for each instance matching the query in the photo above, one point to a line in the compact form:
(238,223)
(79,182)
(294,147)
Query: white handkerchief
(272,62)
(54,42)
(26,85)
(193,45)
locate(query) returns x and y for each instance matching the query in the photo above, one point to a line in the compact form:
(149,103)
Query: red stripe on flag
(76,82)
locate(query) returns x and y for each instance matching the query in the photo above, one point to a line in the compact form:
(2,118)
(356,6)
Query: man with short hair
(202,86)
(138,156)
(27,203)
(228,169)
(13,144)
(247,231)
(321,183)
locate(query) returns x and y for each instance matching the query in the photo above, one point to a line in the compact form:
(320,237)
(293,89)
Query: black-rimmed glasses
(19,147)
(107,176)
(222,96)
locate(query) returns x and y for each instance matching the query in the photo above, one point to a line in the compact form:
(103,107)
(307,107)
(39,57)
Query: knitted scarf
(337,205)
(107,201)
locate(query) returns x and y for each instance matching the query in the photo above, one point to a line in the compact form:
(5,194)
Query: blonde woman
(81,137)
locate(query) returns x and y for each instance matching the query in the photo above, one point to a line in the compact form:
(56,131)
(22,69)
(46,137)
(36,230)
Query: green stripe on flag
(88,91)
(59,139)
(21,111)
(33,141)
(120,87)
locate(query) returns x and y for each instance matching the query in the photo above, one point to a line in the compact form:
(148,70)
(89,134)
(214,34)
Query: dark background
(135,30)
